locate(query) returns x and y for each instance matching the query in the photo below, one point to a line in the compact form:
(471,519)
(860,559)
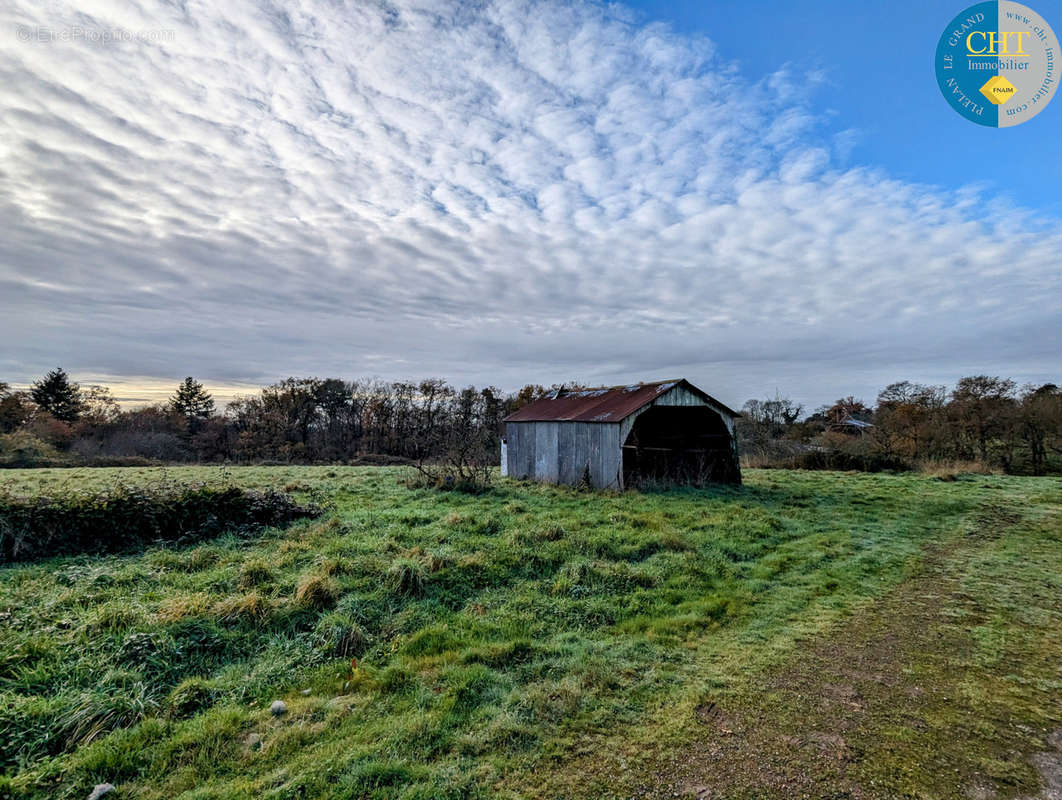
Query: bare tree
(982,408)
(1041,423)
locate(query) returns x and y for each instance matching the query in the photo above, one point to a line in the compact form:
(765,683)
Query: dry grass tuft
(182,606)
(316,591)
(949,470)
(255,573)
(432,560)
(252,607)
(201,558)
(335,566)
(406,577)
(294,546)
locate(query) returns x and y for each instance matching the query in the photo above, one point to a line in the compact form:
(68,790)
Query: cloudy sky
(504,192)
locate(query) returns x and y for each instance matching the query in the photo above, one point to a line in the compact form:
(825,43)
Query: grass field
(806,635)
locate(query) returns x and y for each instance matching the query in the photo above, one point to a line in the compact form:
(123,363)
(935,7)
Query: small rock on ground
(100,790)
(278,707)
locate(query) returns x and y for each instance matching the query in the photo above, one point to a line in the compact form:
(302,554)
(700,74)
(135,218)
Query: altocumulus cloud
(491,191)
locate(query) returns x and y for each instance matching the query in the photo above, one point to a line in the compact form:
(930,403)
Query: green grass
(530,641)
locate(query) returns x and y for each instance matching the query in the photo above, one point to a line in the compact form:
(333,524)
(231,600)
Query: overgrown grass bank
(435,644)
(127,517)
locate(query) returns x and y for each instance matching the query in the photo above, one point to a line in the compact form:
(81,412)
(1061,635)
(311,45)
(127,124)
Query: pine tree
(192,400)
(58,396)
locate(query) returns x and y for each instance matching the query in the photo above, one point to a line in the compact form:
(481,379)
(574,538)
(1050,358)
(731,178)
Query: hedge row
(834,460)
(127,518)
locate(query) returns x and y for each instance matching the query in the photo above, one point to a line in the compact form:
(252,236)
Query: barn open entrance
(687,445)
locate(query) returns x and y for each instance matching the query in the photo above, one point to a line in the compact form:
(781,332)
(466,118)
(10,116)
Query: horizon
(132,396)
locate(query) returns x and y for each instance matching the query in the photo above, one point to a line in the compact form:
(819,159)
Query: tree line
(985,420)
(297,420)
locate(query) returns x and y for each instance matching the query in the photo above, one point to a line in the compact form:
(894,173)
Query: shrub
(828,459)
(378,460)
(844,460)
(127,518)
(23,449)
(150,445)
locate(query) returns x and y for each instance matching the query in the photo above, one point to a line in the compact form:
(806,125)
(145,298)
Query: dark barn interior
(679,445)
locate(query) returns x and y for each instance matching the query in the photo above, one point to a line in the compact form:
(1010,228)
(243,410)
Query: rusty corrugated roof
(604,404)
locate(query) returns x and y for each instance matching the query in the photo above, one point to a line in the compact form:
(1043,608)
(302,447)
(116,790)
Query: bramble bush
(128,518)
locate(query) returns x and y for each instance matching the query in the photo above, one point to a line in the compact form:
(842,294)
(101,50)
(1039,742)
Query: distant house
(623,436)
(851,425)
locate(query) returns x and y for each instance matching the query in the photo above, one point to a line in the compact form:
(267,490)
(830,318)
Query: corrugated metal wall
(560,452)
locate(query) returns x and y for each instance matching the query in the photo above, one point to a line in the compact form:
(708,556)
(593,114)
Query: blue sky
(757,197)
(878,59)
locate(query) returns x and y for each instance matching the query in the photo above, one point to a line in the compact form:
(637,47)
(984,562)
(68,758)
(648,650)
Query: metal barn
(623,436)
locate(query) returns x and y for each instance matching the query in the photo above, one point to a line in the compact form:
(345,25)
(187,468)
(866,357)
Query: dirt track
(825,725)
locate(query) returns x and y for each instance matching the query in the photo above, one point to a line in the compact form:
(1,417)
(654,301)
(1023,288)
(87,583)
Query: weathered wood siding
(546,451)
(561,452)
(520,449)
